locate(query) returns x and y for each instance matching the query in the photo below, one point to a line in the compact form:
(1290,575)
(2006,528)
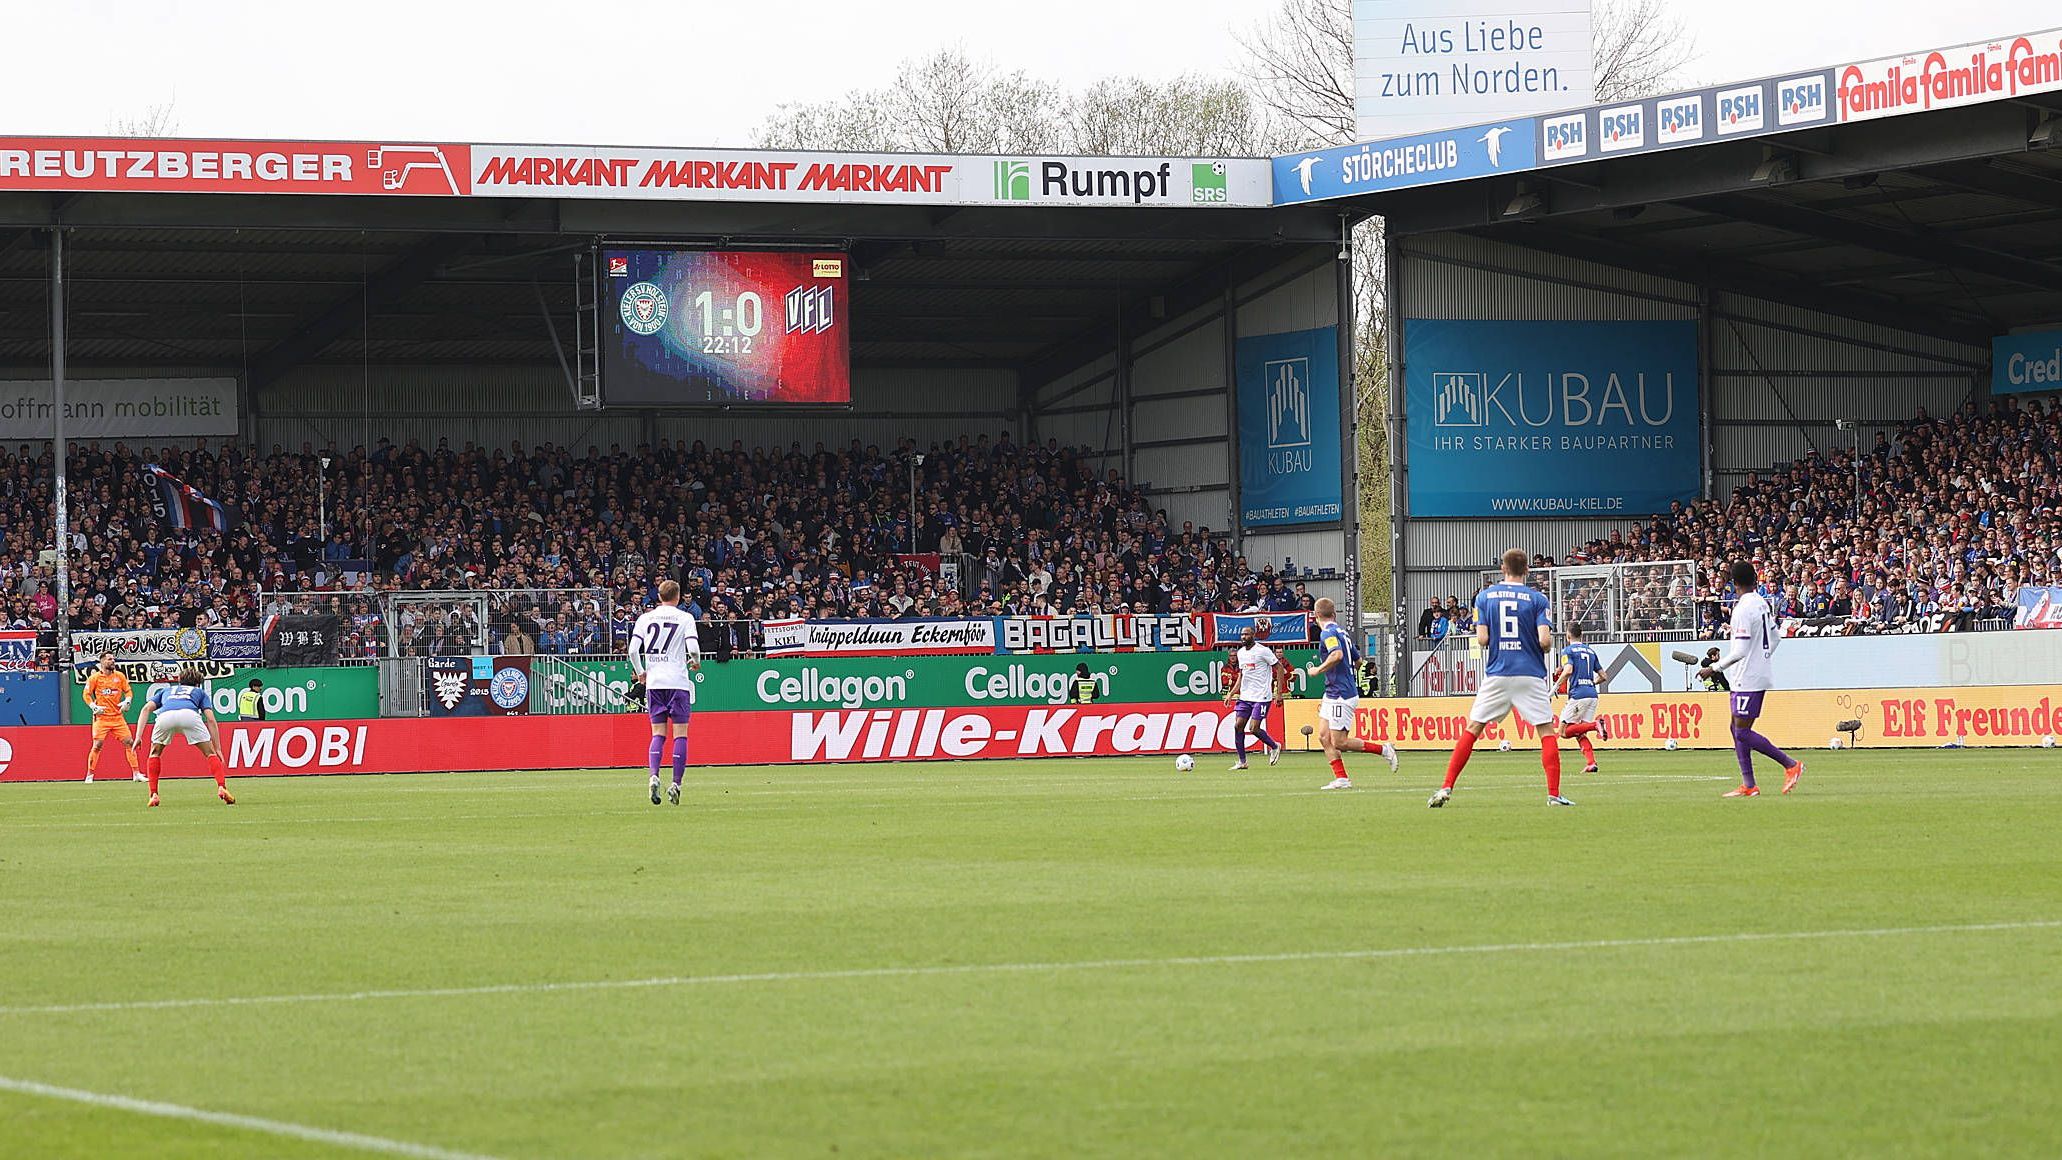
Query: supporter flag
(182,504)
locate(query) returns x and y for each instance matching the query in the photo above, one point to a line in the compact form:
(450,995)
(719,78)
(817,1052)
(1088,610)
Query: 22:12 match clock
(724,327)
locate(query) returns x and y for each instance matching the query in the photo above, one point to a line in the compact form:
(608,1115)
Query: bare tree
(947,102)
(1188,116)
(159,120)
(1637,49)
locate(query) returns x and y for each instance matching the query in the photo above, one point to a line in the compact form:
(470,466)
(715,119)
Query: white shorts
(182,722)
(1525,696)
(1579,712)
(1337,712)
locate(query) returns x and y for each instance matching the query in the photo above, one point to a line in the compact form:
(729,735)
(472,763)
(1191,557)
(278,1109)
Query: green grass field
(1056,958)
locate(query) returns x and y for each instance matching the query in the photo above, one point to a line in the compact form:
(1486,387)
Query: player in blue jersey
(1516,627)
(1338,663)
(183,710)
(1581,676)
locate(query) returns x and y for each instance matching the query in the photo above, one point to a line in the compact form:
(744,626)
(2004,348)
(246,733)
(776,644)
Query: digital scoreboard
(683,328)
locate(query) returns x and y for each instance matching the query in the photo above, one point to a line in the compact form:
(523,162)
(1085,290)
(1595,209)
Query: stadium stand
(1953,515)
(752,534)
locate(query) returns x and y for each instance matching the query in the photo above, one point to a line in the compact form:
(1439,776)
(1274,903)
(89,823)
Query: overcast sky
(697,72)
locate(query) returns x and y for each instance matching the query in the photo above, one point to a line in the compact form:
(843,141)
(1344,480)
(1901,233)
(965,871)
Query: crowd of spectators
(1935,527)
(584,538)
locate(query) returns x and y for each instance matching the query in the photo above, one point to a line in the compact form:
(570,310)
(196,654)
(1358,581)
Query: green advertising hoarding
(311,694)
(887,682)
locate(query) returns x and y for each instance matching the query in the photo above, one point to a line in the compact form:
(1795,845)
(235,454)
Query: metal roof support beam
(1905,243)
(345,314)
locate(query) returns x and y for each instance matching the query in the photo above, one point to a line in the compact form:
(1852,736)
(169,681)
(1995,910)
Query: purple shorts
(670,704)
(1257,710)
(1748,705)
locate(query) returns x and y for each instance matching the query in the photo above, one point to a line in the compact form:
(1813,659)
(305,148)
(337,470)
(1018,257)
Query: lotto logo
(1801,102)
(1622,129)
(1739,111)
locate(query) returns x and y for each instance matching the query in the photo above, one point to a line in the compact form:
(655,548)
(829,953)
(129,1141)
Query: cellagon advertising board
(1517,419)
(2027,363)
(1288,395)
(292,694)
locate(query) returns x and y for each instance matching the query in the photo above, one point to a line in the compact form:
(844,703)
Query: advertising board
(2026,363)
(2011,68)
(1906,718)
(120,408)
(1422,65)
(293,694)
(1288,405)
(1510,419)
(1407,162)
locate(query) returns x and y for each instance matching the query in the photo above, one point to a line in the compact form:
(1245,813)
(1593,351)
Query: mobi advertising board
(725,327)
(1288,402)
(1550,418)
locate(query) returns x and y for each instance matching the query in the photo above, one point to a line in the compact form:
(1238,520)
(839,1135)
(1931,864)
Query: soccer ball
(1837,743)
(1504,746)
(1184,763)
(2048,742)
(1669,745)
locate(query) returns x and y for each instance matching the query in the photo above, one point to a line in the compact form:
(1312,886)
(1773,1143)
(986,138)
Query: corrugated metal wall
(493,406)
(1780,376)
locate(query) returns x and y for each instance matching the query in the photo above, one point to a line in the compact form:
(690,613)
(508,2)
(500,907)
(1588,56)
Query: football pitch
(1042,958)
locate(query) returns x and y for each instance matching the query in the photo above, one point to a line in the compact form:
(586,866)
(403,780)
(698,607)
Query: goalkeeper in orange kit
(108,696)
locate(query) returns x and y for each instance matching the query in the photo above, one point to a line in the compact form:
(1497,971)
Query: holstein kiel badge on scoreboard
(644,308)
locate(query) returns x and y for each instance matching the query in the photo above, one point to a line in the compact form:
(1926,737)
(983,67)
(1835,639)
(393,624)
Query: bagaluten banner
(899,637)
(229,645)
(302,639)
(1106,632)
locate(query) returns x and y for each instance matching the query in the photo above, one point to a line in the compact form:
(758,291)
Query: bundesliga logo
(644,308)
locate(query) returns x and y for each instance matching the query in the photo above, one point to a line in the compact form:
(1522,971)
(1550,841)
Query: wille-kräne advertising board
(1511,419)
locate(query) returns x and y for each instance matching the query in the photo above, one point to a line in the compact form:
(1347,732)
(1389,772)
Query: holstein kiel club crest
(644,308)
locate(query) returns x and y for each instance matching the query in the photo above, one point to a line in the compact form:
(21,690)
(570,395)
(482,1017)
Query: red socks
(1459,761)
(1578,730)
(220,771)
(151,766)
(1589,752)
(1550,757)
(1338,768)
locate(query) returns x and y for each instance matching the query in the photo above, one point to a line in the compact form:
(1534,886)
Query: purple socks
(1238,734)
(1264,739)
(679,759)
(658,751)
(1747,743)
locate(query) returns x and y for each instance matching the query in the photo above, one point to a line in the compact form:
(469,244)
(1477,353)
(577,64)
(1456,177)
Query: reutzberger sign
(1550,418)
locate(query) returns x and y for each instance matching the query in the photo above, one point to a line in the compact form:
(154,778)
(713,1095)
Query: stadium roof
(1036,263)
(1922,191)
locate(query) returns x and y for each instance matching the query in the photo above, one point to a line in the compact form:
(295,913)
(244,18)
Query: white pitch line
(1031,967)
(354,1140)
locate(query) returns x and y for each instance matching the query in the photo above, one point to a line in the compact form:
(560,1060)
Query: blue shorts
(674,705)
(1748,705)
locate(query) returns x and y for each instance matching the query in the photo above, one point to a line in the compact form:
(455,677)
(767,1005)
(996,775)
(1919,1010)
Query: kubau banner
(1432,64)
(1288,388)
(2022,364)
(1513,419)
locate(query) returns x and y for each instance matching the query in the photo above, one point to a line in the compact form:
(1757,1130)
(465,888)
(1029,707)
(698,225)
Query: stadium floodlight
(2043,134)
(1526,202)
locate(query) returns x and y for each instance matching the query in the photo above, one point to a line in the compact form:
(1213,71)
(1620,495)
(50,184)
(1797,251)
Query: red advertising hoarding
(149,165)
(54,753)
